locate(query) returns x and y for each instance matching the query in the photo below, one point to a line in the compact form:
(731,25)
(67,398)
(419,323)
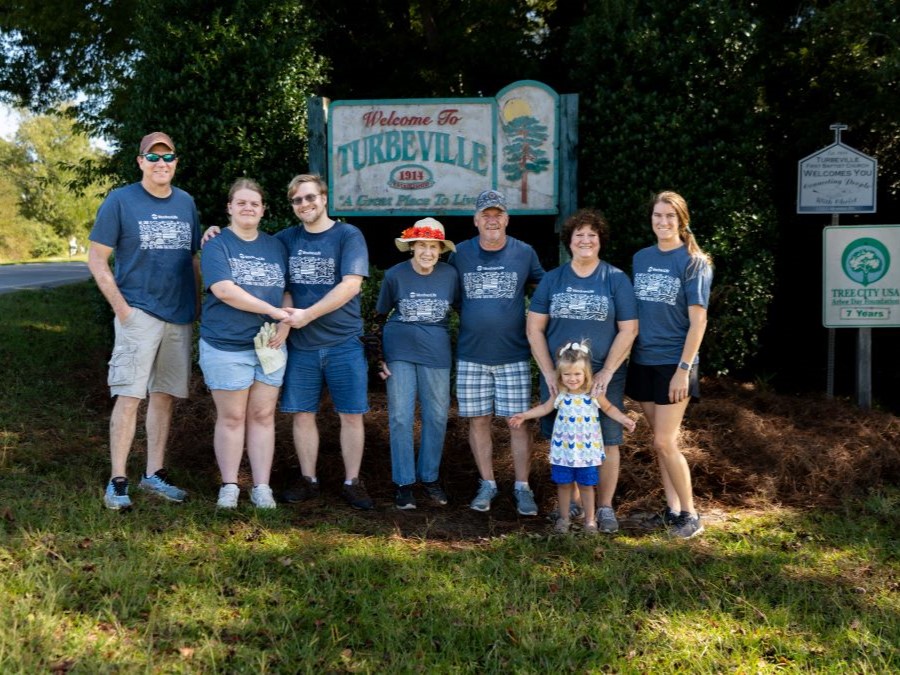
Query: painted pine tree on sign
(524,155)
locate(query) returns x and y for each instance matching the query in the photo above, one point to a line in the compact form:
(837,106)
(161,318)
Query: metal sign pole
(864,368)
(829,377)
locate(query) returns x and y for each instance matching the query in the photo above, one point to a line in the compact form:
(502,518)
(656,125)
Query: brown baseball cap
(154,138)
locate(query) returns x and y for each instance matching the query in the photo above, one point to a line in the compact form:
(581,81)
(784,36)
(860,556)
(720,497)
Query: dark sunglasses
(297,201)
(153,157)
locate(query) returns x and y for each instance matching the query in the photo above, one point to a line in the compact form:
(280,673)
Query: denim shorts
(150,355)
(234,371)
(503,390)
(583,475)
(342,368)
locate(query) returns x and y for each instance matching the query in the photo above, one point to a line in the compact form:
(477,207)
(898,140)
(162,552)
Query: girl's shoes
(561,526)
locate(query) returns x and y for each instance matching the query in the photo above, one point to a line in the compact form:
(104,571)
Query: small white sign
(837,179)
(861,276)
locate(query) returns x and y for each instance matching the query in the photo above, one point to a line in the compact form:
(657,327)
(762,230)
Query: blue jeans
(409,381)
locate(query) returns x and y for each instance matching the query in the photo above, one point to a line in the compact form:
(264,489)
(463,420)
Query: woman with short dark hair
(587,298)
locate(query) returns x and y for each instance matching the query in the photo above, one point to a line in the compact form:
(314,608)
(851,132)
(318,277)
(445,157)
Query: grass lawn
(184,588)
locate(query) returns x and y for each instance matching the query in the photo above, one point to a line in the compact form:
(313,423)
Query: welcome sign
(434,156)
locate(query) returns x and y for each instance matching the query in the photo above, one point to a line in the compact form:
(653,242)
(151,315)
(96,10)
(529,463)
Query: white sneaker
(228,496)
(262,497)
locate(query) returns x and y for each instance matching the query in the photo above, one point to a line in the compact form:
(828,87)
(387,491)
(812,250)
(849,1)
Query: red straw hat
(427,229)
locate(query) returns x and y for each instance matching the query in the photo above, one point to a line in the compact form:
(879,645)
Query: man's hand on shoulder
(211,233)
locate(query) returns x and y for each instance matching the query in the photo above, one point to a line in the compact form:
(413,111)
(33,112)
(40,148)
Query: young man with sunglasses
(328,261)
(154,230)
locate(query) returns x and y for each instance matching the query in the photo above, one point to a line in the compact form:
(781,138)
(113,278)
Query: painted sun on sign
(525,134)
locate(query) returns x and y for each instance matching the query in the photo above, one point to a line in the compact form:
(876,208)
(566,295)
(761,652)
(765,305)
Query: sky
(9,122)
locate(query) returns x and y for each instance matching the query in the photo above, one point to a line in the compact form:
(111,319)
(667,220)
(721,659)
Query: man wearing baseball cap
(494,367)
(154,230)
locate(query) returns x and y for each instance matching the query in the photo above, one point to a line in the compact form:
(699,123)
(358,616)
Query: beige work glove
(270,359)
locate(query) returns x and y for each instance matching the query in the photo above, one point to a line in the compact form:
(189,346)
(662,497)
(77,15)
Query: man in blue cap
(493,366)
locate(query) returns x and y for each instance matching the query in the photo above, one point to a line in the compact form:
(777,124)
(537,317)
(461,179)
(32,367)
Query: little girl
(576,447)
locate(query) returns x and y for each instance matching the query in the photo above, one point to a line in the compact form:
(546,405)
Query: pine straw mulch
(748,448)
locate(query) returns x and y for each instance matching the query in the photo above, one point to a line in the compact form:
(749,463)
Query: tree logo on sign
(865,261)
(526,135)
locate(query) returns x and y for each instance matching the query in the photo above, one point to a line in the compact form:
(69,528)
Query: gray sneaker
(606,520)
(525,503)
(575,512)
(561,526)
(116,496)
(686,526)
(158,484)
(482,501)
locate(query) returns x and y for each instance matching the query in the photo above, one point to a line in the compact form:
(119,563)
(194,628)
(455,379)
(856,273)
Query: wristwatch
(684,365)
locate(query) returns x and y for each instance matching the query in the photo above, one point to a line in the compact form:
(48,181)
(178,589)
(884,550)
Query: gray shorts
(150,355)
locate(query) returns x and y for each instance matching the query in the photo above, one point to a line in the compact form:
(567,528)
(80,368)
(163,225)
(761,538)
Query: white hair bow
(576,346)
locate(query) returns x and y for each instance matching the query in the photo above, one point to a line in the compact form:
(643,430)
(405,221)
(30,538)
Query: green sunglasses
(153,157)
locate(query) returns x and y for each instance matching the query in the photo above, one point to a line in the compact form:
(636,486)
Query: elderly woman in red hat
(417,296)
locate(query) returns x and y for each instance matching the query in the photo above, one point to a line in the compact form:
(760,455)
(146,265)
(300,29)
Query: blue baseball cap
(490,199)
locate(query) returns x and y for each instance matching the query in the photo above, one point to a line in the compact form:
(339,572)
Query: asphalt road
(41,275)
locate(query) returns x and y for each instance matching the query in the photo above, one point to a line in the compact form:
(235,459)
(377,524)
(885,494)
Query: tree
(669,102)
(54,50)
(232,77)
(419,48)
(43,162)
(229,85)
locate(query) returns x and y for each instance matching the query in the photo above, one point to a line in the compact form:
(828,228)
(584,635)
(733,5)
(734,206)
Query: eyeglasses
(168,158)
(309,199)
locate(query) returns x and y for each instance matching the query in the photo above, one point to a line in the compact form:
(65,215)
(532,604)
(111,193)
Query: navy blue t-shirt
(666,284)
(417,330)
(584,307)
(317,263)
(155,239)
(492,300)
(258,267)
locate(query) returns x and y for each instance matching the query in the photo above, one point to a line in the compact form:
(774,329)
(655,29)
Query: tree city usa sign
(434,156)
(861,277)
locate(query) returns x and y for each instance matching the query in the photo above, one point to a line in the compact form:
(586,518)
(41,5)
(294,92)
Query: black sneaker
(404,499)
(686,526)
(300,491)
(436,493)
(667,518)
(356,495)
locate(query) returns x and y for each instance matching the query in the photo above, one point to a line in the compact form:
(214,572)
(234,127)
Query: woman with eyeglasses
(242,352)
